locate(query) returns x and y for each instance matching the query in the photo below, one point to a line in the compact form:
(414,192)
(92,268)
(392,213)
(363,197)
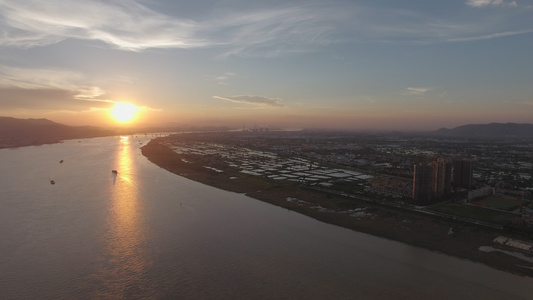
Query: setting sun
(124,112)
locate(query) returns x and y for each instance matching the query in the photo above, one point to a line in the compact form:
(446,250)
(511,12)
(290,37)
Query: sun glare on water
(124,112)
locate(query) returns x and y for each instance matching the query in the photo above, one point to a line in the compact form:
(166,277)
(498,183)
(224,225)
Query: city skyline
(343,64)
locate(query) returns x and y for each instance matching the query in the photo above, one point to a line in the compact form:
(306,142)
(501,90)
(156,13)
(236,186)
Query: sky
(339,64)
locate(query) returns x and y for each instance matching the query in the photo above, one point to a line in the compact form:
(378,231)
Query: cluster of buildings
(379,169)
(434,181)
(502,168)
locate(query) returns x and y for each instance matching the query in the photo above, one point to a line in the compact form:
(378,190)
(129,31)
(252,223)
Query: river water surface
(145,233)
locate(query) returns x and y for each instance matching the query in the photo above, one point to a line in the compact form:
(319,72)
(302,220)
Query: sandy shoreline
(456,239)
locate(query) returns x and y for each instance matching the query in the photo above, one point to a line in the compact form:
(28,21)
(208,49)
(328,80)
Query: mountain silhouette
(23,132)
(492,130)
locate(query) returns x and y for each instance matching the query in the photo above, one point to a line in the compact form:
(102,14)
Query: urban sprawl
(457,177)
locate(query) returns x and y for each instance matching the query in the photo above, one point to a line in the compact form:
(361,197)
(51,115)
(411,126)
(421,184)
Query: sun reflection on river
(125,261)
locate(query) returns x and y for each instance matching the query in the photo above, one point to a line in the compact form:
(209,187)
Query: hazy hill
(492,130)
(23,132)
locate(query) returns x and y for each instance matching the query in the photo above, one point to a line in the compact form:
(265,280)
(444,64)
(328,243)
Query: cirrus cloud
(418,91)
(123,24)
(482,3)
(258,100)
(425,92)
(129,25)
(223,79)
(48,89)
(49,79)
(236,31)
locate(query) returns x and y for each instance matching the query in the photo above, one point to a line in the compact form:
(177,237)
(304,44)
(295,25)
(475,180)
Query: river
(145,233)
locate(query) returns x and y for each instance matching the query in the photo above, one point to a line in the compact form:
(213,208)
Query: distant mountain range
(24,132)
(492,130)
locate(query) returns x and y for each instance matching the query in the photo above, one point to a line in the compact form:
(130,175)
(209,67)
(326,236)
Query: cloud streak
(483,3)
(48,89)
(257,100)
(123,24)
(47,99)
(223,79)
(425,92)
(418,91)
(49,79)
(271,32)
(129,25)
(490,36)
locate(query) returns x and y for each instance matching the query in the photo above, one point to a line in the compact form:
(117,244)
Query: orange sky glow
(374,66)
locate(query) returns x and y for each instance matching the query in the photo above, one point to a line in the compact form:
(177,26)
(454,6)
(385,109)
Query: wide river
(145,233)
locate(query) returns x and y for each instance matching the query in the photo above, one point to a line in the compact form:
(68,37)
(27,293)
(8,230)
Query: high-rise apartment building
(423,183)
(463,173)
(431,181)
(442,177)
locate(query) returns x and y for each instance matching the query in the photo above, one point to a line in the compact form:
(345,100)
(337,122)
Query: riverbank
(436,234)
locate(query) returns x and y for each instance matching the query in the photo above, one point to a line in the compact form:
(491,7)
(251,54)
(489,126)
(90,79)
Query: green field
(476,213)
(499,203)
